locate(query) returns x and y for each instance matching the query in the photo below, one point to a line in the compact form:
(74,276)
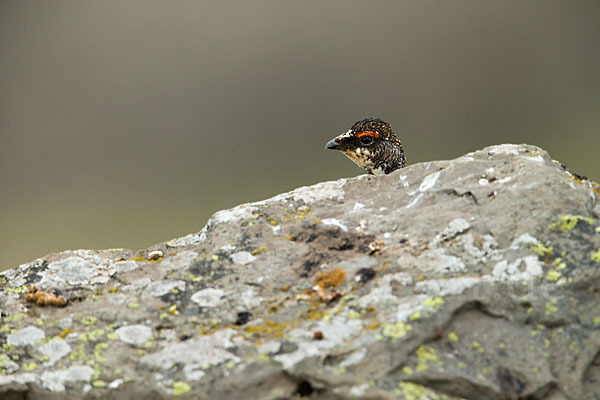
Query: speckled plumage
(372,145)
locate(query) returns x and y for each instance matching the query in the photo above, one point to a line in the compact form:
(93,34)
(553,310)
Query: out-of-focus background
(126,123)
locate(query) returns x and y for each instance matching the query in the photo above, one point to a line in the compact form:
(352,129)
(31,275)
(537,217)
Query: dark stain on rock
(364,275)
(304,389)
(243,317)
(344,244)
(511,382)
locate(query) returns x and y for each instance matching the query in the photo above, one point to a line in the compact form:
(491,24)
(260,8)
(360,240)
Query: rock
(476,278)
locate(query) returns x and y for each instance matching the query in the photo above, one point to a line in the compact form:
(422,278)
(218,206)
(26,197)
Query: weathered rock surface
(475,278)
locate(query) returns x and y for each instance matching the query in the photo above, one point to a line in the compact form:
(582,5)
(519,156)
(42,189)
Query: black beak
(333,144)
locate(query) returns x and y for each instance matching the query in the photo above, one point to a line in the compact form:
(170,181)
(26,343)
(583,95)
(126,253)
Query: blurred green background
(126,123)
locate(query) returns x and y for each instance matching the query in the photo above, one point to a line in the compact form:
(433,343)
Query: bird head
(372,145)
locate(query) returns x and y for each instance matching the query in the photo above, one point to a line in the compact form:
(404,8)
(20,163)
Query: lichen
(550,308)
(397,330)
(553,275)
(542,250)
(433,302)
(568,222)
(180,387)
(89,321)
(426,355)
(330,279)
(29,367)
(270,328)
(595,255)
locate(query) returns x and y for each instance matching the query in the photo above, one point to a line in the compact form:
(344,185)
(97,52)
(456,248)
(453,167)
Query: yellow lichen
(568,222)
(397,330)
(413,391)
(425,355)
(595,255)
(453,337)
(28,367)
(98,349)
(433,302)
(553,275)
(542,250)
(414,316)
(550,309)
(89,321)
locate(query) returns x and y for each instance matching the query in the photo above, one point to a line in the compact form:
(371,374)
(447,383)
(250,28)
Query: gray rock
(475,278)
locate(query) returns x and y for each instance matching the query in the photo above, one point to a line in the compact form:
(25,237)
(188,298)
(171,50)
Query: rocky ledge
(476,278)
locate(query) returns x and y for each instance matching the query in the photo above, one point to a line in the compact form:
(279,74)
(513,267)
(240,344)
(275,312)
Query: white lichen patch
(486,250)
(335,222)
(160,288)
(26,336)
(443,263)
(522,269)
(524,239)
(18,379)
(335,332)
(454,228)
(239,213)
(382,293)
(242,258)
(207,350)
(194,371)
(188,240)
(134,334)
(126,266)
(81,268)
(54,350)
(249,298)
(513,149)
(7,365)
(137,285)
(407,306)
(54,380)
(209,297)
(444,287)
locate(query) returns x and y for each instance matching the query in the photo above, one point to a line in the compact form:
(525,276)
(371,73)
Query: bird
(372,145)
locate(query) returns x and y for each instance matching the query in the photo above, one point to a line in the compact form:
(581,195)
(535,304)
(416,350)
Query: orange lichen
(42,298)
(270,328)
(330,279)
(259,250)
(326,296)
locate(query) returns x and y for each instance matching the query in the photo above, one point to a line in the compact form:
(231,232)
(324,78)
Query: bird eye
(366,139)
